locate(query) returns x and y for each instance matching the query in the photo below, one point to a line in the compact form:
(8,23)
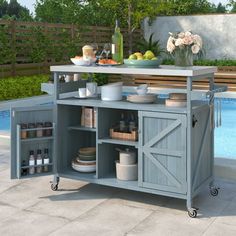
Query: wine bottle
(117,44)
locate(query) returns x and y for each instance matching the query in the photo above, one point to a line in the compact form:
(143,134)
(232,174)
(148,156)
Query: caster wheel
(192,213)
(214,192)
(54,187)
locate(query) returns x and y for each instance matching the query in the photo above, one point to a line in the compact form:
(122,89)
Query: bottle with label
(45,160)
(117,44)
(23,170)
(31,163)
(39,161)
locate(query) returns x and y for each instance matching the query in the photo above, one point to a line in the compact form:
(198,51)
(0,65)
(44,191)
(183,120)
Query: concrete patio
(31,207)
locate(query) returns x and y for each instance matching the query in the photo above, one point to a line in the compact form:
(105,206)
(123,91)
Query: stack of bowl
(86,160)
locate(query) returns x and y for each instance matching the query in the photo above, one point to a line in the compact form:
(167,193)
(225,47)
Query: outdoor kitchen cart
(175,146)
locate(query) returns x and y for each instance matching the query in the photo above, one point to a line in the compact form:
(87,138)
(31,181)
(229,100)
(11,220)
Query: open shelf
(119,141)
(36,175)
(82,128)
(109,180)
(36,139)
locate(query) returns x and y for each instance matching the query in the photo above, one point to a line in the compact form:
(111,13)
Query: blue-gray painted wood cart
(175,146)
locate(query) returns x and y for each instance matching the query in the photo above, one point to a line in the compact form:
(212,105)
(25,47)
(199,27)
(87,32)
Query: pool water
(225,136)
(5,120)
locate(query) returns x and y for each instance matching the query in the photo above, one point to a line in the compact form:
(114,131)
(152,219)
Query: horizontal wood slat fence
(27,41)
(228,79)
(21,41)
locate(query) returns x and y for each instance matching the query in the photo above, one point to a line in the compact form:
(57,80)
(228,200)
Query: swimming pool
(225,136)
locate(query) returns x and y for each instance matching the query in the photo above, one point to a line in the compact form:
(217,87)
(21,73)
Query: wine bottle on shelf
(117,44)
(39,161)
(31,163)
(45,160)
(24,170)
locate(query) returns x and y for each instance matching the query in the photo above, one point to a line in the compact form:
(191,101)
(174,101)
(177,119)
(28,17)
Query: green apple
(132,57)
(154,58)
(140,58)
(149,54)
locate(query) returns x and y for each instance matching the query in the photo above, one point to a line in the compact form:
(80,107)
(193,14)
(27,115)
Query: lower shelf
(112,181)
(36,175)
(108,181)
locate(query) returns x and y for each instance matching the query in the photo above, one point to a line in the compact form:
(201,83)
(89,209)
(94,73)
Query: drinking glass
(107,49)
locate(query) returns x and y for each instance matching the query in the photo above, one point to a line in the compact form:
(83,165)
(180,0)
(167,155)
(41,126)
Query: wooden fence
(26,40)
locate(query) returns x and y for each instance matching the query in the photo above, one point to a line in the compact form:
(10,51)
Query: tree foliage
(13,10)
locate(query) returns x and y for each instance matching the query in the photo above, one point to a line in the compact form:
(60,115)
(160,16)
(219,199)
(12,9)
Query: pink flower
(179,42)
(197,40)
(195,49)
(188,40)
(170,44)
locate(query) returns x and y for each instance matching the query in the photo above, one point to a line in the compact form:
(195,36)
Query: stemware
(107,49)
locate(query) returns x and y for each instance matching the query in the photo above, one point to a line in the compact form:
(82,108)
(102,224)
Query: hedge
(21,86)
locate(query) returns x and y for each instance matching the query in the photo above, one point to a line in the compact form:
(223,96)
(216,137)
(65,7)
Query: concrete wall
(218,32)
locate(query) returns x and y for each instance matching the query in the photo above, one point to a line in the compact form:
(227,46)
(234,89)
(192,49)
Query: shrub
(21,86)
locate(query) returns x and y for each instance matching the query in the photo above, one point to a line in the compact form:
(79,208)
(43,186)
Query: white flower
(181,35)
(187,34)
(197,40)
(195,49)
(179,42)
(170,45)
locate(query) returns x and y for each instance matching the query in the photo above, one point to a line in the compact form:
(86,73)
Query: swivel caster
(192,212)
(214,191)
(54,187)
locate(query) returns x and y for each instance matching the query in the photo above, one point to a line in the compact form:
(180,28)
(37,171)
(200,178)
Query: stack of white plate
(177,100)
(86,160)
(146,98)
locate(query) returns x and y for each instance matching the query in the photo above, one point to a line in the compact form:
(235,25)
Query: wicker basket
(133,136)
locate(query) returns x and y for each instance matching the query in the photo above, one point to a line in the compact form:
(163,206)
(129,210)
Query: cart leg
(55,182)
(213,189)
(192,211)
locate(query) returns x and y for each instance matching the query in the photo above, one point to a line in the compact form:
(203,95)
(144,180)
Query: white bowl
(142,91)
(111,92)
(82,62)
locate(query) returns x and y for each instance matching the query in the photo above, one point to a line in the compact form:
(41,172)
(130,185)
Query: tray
(133,136)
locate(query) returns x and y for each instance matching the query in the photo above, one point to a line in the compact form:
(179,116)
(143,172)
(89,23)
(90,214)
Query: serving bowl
(81,62)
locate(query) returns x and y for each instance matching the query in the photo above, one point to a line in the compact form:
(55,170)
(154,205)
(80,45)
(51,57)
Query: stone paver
(30,207)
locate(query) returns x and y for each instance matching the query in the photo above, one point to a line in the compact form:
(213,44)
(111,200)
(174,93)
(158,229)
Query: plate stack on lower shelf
(86,160)
(177,100)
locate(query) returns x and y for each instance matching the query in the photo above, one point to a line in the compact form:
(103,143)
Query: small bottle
(48,132)
(117,44)
(23,131)
(132,124)
(23,170)
(45,160)
(31,133)
(31,163)
(122,123)
(39,132)
(39,161)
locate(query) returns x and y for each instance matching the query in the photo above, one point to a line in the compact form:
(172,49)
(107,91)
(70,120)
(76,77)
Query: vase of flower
(183,57)
(183,46)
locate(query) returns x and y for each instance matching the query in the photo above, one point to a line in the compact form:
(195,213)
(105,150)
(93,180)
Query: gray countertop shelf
(82,128)
(37,139)
(118,141)
(163,70)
